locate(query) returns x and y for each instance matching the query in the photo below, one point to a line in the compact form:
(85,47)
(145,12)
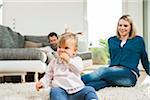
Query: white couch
(21,67)
(16,61)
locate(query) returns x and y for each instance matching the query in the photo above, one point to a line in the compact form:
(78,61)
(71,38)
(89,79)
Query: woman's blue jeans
(110,76)
(87,93)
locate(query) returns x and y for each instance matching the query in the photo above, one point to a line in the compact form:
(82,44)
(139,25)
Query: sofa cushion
(10,39)
(6,40)
(17,38)
(38,39)
(30,44)
(85,55)
(22,54)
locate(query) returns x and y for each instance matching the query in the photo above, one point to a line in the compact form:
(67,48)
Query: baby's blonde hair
(68,35)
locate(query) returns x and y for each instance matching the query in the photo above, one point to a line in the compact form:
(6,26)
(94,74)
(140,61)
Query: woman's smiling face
(124,28)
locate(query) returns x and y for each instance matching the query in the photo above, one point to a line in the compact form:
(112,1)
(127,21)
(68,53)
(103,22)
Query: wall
(39,17)
(135,9)
(146,25)
(1,3)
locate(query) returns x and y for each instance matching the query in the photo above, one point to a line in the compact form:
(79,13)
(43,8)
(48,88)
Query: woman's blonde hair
(68,35)
(132,32)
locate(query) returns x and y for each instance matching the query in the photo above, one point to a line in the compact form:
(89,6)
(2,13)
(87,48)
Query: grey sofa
(15,59)
(19,54)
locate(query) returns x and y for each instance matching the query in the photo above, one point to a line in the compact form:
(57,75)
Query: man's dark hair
(52,34)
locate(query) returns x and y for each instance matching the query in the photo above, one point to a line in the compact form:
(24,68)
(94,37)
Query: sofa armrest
(22,54)
(86,55)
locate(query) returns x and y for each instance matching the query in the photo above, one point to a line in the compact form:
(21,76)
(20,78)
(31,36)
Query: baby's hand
(39,85)
(65,56)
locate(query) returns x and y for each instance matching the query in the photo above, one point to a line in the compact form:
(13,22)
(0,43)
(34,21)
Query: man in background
(53,40)
(49,50)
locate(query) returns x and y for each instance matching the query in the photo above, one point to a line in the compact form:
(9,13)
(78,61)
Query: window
(102,16)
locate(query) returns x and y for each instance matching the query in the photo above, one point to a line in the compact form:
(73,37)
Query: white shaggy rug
(26,91)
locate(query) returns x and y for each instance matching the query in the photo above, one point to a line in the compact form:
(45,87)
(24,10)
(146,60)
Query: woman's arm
(144,59)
